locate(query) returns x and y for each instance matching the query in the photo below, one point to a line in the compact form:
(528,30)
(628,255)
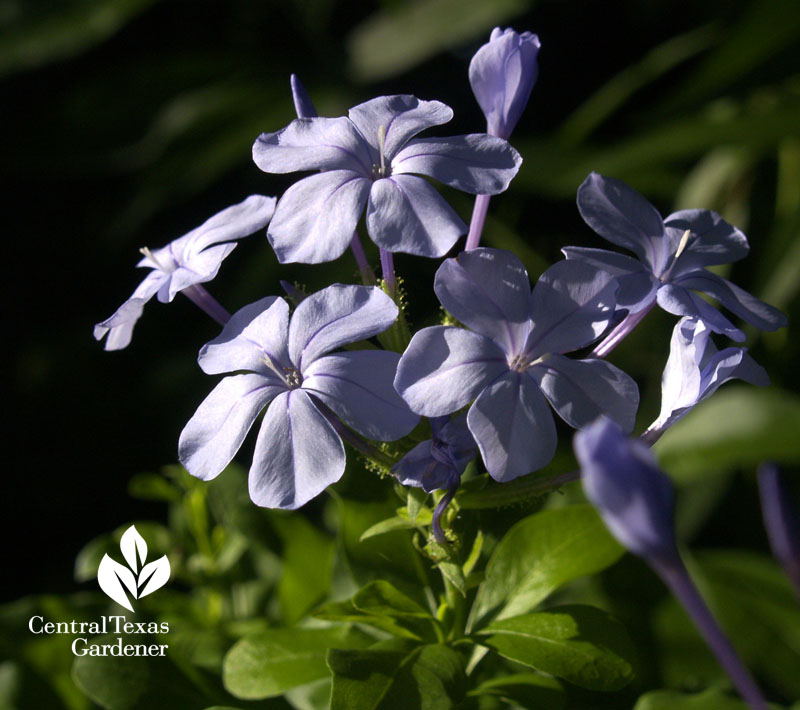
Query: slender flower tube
(780,520)
(635,499)
(502,74)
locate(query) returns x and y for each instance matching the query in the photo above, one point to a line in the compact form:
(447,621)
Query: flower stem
(515,491)
(618,334)
(677,579)
(478,219)
(198,295)
(367,275)
(387,271)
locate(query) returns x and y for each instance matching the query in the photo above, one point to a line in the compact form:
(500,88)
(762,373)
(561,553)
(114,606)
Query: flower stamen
(149,255)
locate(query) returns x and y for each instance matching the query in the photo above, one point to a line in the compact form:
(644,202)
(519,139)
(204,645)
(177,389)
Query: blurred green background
(128,122)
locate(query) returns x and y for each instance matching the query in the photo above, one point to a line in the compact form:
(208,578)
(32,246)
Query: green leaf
(308,566)
(711,699)
(268,663)
(396,39)
(540,554)
(427,678)
(39,33)
(402,628)
(739,426)
(529,690)
(383,599)
(580,644)
(133,682)
(153,486)
(388,525)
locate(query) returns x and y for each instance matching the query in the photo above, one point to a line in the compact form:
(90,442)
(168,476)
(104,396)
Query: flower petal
(572,304)
(488,291)
(298,454)
(406,214)
(259,329)
(314,144)
(735,299)
(234,222)
(402,117)
(315,217)
(513,427)
(445,368)
(119,326)
(712,239)
(357,386)
(620,214)
(477,163)
(637,286)
(679,301)
(202,268)
(582,390)
(217,429)
(337,315)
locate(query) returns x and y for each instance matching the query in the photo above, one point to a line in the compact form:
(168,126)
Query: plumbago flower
(284,364)
(438,463)
(502,74)
(512,359)
(185,263)
(367,159)
(694,371)
(671,256)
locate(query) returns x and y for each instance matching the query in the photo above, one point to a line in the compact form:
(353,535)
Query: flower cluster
(485,381)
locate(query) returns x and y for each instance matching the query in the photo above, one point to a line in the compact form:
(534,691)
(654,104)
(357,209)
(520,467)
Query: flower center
(156,263)
(381,170)
(291,376)
(681,247)
(522,362)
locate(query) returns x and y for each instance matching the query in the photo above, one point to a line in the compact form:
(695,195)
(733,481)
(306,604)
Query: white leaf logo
(137,579)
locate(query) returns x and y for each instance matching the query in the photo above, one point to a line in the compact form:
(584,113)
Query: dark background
(127,123)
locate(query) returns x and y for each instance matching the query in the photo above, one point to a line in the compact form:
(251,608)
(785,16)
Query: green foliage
(539,555)
(580,644)
(711,699)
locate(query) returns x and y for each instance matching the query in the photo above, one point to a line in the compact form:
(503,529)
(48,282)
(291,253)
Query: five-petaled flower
(671,256)
(185,263)
(285,364)
(367,158)
(694,371)
(512,359)
(502,74)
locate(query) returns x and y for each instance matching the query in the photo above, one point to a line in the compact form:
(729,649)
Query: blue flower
(511,362)
(634,497)
(185,263)
(502,74)
(367,159)
(284,365)
(694,371)
(780,521)
(671,256)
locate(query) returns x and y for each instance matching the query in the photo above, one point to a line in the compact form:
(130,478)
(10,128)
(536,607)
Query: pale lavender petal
(502,74)
(213,435)
(582,390)
(402,117)
(621,215)
(119,327)
(315,218)
(232,223)
(735,299)
(202,268)
(445,368)
(513,427)
(679,301)
(405,214)
(297,456)
(637,286)
(357,386)
(635,499)
(571,305)
(253,339)
(337,315)
(478,163)
(712,239)
(418,468)
(488,291)
(314,144)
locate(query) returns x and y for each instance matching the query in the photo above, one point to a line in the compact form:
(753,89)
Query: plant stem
(367,275)
(201,298)
(618,334)
(478,220)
